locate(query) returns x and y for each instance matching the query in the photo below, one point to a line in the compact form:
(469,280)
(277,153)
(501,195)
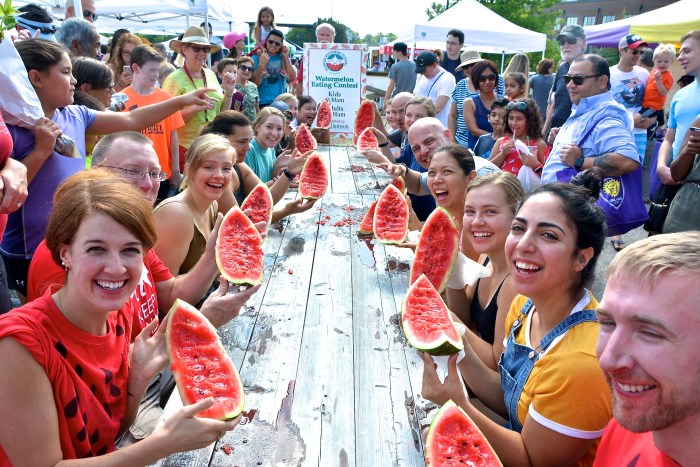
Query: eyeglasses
(271,42)
(245,68)
(578,79)
(520,105)
(88,14)
(567,40)
(135,174)
(198,49)
(637,51)
(126,53)
(491,77)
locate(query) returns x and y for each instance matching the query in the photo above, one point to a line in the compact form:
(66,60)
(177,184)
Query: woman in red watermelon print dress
(549,385)
(72,380)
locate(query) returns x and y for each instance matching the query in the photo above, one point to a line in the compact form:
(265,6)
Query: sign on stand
(337,73)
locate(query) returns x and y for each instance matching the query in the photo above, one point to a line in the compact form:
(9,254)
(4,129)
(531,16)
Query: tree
(308,34)
(376,39)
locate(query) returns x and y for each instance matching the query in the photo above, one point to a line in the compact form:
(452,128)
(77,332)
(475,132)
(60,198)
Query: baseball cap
(572,31)
(424,59)
(279,105)
(231,38)
(631,41)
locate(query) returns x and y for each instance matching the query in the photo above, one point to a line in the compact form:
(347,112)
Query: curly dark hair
(534,121)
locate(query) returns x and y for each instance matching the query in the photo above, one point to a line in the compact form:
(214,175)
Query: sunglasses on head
(198,49)
(520,105)
(567,40)
(491,77)
(245,68)
(88,14)
(271,42)
(578,79)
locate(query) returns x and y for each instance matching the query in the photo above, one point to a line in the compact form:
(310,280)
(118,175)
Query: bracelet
(579,164)
(384,144)
(288,174)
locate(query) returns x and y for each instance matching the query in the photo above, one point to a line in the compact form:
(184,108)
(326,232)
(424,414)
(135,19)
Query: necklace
(204,80)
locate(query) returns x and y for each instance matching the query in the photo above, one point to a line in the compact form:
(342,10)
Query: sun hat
(632,41)
(424,59)
(193,36)
(231,38)
(467,58)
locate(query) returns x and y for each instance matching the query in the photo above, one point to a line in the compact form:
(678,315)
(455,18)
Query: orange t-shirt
(652,98)
(160,132)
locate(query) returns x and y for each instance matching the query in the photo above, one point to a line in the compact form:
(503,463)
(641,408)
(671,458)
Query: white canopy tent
(484,30)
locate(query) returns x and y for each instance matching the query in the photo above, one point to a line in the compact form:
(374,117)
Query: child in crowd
(496,118)
(268,129)
(291,100)
(145,64)
(263,26)
(226,65)
(522,123)
(516,85)
(658,85)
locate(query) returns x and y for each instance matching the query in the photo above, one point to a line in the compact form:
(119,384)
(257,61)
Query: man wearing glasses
(273,69)
(89,12)
(598,132)
(572,41)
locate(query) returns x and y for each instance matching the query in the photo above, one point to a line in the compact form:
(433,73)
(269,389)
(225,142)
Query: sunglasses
(637,51)
(578,79)
(520,105)
(567,40)
(491,77)
(245,68)
(88,14)
(198,49)
(271,42)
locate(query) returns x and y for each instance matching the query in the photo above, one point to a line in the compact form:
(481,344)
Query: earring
(65,266)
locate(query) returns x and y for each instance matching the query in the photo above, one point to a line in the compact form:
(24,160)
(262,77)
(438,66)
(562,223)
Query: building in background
(590,12)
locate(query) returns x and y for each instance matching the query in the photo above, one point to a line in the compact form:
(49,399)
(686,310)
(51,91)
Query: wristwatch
(384,144)
(579,163)
(288,174)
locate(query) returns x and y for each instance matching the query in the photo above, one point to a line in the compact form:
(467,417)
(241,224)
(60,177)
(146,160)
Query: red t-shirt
(512,162)
(88,373)
(45,274)
(5,151)
(620,447)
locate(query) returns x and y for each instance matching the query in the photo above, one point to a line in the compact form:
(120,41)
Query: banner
(337,73)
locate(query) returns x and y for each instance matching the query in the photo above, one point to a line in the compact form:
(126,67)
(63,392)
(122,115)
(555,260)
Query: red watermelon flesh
(390,223)
(239,253)
(426,320)
(304,140)
(363,119)
(200,364)
(437,249)
(324,115)
(365,227)
(260,202)
(454,439)
(400,183)
(313,180)
(367,140)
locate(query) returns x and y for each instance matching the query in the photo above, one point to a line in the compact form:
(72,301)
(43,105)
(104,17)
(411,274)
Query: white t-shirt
(442,84)
(628,89)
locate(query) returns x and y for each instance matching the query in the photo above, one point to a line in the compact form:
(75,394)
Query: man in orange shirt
(145,64)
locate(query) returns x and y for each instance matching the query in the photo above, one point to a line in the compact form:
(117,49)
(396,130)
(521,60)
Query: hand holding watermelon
(225,303)
(440,392)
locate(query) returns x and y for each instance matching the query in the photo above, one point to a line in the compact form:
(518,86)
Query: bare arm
(440,103)
(452,120)
(681,165)
(175,228)
(612,164)
(469,115)
(498,155)
(548,118)
(389,89)
(664,158)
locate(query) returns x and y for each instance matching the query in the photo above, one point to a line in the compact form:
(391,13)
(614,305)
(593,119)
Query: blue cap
(46,30)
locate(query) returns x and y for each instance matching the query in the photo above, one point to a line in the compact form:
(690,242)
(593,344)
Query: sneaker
(651,131)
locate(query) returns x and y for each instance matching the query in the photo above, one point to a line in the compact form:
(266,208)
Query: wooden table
(328,375)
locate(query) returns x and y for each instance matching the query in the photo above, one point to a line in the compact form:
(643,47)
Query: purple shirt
(26,227)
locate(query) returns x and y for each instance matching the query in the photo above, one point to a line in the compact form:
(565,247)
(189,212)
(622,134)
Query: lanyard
(204,79)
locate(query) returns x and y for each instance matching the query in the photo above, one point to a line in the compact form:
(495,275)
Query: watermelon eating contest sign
(336,73)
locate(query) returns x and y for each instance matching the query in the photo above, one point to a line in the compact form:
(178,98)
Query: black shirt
(562,100)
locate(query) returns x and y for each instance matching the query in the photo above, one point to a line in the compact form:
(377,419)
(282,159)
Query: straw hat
(193,36)
(468,57)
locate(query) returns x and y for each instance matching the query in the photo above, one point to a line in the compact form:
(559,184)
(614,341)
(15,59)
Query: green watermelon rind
(444,344)
(448,416)
(426,257)
(319,115)
(398,198)
(367,219)
(239,279)
(256,192)
(303,185)
(303,132)
(187,394)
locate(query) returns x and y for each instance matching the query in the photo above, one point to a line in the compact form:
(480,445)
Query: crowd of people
(536,186)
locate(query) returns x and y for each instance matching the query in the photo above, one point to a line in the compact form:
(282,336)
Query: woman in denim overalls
(550,387)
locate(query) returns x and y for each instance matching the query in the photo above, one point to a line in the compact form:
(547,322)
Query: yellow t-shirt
(566,391)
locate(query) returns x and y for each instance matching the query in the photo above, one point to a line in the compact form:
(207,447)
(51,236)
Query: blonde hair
(648,259)
(426,102)
(287,97)
(263,115)
(665,49)
(201,147)
(507,182)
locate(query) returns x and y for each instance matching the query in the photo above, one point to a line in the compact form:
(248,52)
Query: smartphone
(694,129)
(126,69)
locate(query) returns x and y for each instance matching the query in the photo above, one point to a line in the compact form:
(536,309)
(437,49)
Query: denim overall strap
(517,361)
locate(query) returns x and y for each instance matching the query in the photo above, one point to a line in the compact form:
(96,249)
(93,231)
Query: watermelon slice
(454,439)
(367,140)
(304,140)
(363,119)
(200,364)
(426,320)
(437,249)
(313,180)
(324,115)
(390,222)
(260,202)
(400,183)
(365,227)
(239,253)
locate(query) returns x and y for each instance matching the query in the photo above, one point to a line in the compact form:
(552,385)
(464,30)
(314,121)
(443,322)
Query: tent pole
(503,60)
(543,54)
